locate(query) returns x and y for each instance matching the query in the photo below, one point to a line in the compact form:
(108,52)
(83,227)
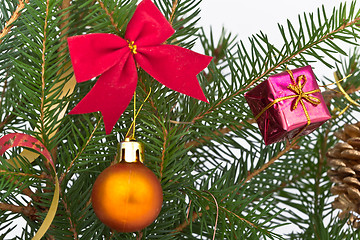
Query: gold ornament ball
(127,197)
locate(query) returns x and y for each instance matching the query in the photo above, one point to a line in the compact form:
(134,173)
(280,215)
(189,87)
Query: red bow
(114,58)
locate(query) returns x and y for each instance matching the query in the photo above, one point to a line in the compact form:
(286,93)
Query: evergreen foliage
(214,168)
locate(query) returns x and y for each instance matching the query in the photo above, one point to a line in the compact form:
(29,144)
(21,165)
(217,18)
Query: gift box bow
(114,59)
(297,87)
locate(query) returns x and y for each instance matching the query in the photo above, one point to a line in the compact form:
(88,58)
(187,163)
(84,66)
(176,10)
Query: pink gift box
(281,120)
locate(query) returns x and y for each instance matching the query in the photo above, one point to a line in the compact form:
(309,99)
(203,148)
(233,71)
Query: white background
(245,18)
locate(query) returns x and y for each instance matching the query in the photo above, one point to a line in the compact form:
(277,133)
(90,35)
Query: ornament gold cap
(131,151)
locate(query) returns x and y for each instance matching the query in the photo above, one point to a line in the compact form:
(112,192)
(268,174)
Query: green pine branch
(218,178)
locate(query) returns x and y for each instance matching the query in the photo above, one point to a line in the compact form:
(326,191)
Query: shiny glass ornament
(127,196)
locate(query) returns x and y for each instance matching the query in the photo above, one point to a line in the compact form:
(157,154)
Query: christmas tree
(219,180)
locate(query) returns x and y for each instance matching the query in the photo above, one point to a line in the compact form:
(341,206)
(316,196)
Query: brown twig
(240,218)
(3,91)
(72,225)
(25,190)
(319,171)
(25,210)
(42,105)
(23,174)
(86,205)
(223,131)
(80,152)
(177,122)
(64,26)
(171,19)
(272,160)
(220,132)
(195,215)
(112,234)
(109,14)
(327,36)
(140,235)
(8,119)
(12,19)
(165,132)
(288,147)
(234,214)
(186,223)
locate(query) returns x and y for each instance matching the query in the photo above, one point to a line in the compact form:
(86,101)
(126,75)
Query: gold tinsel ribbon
(297,87)
(23,140)
(67,89)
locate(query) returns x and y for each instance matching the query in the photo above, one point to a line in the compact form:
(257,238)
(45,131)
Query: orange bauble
(127,197)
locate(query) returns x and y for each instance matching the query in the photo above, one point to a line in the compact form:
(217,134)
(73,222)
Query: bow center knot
(132,46)
(297,87)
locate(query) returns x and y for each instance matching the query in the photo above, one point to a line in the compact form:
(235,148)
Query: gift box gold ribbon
(297,87)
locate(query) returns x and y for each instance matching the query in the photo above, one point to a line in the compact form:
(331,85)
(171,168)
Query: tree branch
(219,132)
(288,147)
(195,215)
(186,223)
(151,101)
(42,176)
(266,165)
(3,91)
(8,119)
(325,37)
(12,19)
(163,153)
(64,26)
(271,69)
(42,105)
(27,191)
(72,225)
(173,10)
(80,152)
(109,14)
(139,235)
(26,211)
(328,95)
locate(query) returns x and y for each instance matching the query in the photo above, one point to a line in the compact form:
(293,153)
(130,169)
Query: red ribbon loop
(114,58)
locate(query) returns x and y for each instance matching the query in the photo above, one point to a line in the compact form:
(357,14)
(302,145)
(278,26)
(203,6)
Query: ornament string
(341,91)
(297,87)
(23,140)
(136,113)
(133,131)
(217,212)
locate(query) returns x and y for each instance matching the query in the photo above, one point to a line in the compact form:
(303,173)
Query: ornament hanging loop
(130,151)
(136,113)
